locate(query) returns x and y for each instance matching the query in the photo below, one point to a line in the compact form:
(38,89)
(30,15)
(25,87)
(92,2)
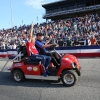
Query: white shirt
(14,46)
(89,42)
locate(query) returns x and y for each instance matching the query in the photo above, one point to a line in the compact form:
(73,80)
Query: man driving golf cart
(43,49)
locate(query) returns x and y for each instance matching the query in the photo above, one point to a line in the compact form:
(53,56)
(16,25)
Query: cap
(39,34)
(23,41)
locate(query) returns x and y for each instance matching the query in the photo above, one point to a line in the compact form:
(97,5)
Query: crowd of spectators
(76,31)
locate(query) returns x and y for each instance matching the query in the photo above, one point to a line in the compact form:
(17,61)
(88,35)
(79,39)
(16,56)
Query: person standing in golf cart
(32,51)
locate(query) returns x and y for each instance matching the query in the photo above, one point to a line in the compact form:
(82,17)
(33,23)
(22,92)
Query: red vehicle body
(68,71)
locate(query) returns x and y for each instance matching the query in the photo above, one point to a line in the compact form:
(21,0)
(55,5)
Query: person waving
(32,51)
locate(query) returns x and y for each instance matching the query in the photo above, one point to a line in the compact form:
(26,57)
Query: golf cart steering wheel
(52,47)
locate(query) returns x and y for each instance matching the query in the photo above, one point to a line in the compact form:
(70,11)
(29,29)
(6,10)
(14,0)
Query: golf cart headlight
(73,65)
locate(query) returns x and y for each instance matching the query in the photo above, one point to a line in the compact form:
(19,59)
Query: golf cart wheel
(18,75)
(69,78)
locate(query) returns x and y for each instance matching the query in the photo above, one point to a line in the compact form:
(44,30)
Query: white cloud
(34,3)
(37,4)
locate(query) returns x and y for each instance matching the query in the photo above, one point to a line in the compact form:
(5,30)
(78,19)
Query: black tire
(18,75)
(69,74)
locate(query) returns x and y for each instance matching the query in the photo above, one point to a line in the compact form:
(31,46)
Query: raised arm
(31,31)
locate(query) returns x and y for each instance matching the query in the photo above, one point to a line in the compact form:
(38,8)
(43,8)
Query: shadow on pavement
(7,79)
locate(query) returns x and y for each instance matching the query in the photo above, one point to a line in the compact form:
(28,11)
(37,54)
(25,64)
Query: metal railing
(72,11)
(17,59)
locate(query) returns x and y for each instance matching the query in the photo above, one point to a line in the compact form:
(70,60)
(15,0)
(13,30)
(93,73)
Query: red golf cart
(68,70)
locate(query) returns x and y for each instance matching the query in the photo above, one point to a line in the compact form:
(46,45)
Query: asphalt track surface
(87,87)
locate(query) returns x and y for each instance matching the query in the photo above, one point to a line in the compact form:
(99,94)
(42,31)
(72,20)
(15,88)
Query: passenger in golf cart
(32,51)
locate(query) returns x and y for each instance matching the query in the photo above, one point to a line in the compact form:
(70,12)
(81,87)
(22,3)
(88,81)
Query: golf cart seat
(22,51)
(23,56)
(28,59)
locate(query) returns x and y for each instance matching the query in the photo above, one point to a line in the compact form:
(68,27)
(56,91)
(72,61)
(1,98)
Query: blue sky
(26,10)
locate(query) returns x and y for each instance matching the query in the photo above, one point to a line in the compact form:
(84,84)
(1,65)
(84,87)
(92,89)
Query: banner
(78,51)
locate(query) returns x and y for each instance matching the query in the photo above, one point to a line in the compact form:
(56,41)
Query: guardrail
(78,51)
(7,53)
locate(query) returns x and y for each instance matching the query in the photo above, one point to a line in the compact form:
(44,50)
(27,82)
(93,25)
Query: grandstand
(70,8)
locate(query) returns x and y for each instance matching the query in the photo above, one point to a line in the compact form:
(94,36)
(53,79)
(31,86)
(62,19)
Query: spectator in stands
(93,40)
(14,46)
(53,40)
(3,45)
(22,43)
(69,42)
(60,42)
(76,42)
(87,41)
(72,27)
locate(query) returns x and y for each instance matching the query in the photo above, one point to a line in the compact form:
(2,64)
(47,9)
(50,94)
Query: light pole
(37,19)
(11,12)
